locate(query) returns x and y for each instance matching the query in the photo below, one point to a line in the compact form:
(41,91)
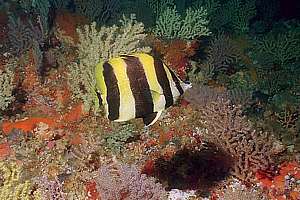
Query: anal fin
(151,118)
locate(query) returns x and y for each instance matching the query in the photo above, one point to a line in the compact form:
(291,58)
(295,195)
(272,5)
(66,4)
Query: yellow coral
(6,86)
(13,188)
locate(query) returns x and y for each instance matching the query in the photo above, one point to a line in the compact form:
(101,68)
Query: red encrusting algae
(5,150)
(91,191)
(176,54)
(31,80)
(26,125)
(148,167)
(285,184)
(74,114)
(29,124)
(67,22)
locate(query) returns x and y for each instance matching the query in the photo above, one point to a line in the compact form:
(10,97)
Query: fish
(137,86)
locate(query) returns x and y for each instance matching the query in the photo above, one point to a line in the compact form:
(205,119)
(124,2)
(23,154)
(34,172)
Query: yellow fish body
(137,86)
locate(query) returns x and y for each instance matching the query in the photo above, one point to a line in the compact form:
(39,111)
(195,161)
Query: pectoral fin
(151,118)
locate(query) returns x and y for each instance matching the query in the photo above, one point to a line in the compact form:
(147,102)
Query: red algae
(76,139)
(176,54)
(27,124)
(148,167)
(91,191)
(5,150)
(67,22)
(31,80)
(74,114)
(62,96)
(284,184)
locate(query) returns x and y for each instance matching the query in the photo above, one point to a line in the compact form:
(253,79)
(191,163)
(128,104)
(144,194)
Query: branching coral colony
(234,135)
(6,87)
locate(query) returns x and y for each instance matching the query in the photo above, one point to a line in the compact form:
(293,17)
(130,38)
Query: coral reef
(140,8)
(60,4)
(277,48)
(236,190)
(13,185)
(114,142)
(66,24)
(176,54)
(99,11)
(178,194)
(22,35)
(171,25)
(283,185)
(41,8)
(226,126)
(274,79)
(234,16)
(126,182)
(158,6)
(50,189)
(204,95)
(233,135)
(222,54)
(6,85)
(3,33)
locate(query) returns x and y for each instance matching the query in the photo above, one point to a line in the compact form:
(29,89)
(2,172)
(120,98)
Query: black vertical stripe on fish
(149,118)
(113,93)
(99,98)
(163,81)
(139,86)
(177,82)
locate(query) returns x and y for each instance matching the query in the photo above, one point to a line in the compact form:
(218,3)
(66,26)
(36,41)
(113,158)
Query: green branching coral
(211,6)
(100,11)
(103,44)
(235,15)
(6,86)
(158,6)
(58,4)
(23,35)
(91,8)
(222,53)
(276,55)
(109,42)
(114,142)
(82,83)
(41,7)
(271,83)
(139,8)
(171,25)
(277,48)
(13,187)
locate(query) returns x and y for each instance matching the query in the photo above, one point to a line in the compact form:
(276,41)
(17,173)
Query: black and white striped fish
(137,86)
